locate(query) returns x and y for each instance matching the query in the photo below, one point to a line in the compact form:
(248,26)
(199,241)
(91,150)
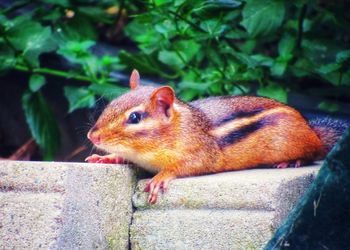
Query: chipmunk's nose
(93,137)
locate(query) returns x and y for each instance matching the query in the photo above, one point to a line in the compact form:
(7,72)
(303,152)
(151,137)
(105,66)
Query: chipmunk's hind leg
(292,164)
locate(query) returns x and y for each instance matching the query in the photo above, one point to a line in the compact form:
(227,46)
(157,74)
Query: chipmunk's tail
(329,130)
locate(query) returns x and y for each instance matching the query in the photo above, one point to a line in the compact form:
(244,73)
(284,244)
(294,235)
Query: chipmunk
(150,127)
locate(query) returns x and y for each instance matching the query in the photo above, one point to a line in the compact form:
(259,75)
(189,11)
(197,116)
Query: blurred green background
(201,48)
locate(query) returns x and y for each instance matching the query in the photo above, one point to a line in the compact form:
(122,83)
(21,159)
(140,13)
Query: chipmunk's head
(135,122)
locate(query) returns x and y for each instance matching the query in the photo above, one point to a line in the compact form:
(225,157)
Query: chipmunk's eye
(134,118)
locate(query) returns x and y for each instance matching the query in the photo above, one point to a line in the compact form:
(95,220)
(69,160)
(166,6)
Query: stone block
(232,210)
(64,205)
(203,229)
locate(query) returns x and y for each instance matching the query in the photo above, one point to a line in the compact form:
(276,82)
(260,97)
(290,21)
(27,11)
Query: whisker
(101,98)
(82,130)
(92,148)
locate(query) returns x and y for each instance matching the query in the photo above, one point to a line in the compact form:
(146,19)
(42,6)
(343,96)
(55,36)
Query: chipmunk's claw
(108,159)
(295,164)
(158,182)
(282,165)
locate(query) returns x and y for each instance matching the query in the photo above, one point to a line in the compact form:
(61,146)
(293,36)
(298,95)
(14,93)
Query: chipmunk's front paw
(111,158)
(160,181)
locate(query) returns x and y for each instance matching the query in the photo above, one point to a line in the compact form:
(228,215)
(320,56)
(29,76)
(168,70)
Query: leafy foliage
(262,17)
(201,47)
(41,122)
(234,47)
(69,30)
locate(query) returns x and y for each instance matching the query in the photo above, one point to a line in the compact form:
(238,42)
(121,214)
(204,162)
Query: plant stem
(120,12)
(17,5)
(53,72)
(195,26)
(340,78)
(185,63)
(300,26)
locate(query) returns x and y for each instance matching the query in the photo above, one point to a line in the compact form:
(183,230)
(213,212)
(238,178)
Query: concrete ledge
(233,210)
(247,189)
(200,229)
(64,205)
(84,206)
(29,220)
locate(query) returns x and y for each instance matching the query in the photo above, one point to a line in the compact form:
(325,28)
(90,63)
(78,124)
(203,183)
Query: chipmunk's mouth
(117,149)
(93,136)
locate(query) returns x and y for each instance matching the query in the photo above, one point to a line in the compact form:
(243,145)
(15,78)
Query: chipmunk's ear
(162,99)
(134,79)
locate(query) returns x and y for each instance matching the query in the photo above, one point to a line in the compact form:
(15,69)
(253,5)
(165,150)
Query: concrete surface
(200,229)
(253,189)
(46,205)
(234,210)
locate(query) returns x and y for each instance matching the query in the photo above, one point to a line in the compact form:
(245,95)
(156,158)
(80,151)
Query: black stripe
(241,133)
(240,114)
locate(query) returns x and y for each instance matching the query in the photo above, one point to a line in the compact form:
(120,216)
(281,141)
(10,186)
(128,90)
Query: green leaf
(328,68)
(53,15)
(77,47)
(107,60)
(328,106)
(3,20)
(214,5)
(36,81)
(79,28)
(63,3)
(167,28)
(76,50)
(241,90)
(110,63)
(161,2)
(248,46)
(42,123)
(79,97)
(216,88)
(286,47)
(342,56)
(200,87)
(170,58)
(285,50)
(147,36)
(213,27)
(274,91)
(31,38)
(140,61)
(261,18)
(319,51)
(262,60)
(252,75)
(279,67)
(302,67)
(7,58)
(188,94)
(236,34)
(108,90)
(185,50)
(244,58)
(214,57)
